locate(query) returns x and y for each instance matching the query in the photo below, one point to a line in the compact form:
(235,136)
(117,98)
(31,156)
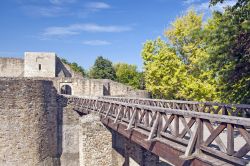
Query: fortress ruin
(39,128)
(52,116)
(48,66)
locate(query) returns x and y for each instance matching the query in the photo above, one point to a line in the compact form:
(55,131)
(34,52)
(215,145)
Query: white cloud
(94,6)
(204,7)
(190,1)
(221,6)
(58,8)
(96,42)
(78,28)
(60,2)
(59,31)
(49,11)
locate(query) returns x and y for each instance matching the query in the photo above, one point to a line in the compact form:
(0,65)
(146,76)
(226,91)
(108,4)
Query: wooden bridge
(181,132)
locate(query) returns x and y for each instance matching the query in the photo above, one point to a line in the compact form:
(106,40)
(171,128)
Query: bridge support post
(95,142)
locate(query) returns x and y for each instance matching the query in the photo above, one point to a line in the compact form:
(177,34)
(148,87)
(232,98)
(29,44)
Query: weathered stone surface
(133,154)
(117,158)
(70,137)
(28,129)
(95,142)
(11,67)
(39,64)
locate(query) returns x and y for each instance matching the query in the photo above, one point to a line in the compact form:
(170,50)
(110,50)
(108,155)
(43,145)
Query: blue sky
(81,30)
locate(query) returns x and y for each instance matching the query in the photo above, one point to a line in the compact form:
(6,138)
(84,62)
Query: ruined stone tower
(38,64)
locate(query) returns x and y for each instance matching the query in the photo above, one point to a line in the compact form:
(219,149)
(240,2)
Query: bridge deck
(180,132)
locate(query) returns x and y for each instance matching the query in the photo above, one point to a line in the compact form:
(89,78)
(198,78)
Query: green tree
(164,70)
(128,74)
(229,49)
(185,36)
(102,69)
(75,67)
(176,70)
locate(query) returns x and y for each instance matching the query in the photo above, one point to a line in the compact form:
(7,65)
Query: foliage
(164,71)
(75,67)
(229,50)
(198,62)
(176,70)
(128,74)
(238,4)
(184,36)
(102,69)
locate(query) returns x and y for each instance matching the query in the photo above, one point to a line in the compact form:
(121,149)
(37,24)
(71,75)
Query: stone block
(95,142)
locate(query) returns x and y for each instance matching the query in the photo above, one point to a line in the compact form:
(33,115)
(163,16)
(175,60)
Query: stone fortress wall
(47,66)
(11,67)
(28,116)
(98,87)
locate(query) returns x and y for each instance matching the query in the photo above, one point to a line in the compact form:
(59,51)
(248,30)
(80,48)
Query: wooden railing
(180,126)
(241,110)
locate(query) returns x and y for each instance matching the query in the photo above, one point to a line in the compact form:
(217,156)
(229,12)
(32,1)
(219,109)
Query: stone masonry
(133,154)
(39,64)
(28,116)
(95,142)
(11,67)
(69,137)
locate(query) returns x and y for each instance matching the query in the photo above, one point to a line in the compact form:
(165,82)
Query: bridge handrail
(163,123)
(213,117)
(208,107)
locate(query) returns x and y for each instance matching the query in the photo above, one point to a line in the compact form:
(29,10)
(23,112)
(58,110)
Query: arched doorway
(66,89)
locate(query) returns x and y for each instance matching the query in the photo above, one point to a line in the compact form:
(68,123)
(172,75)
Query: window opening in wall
(39,66)
(66,89)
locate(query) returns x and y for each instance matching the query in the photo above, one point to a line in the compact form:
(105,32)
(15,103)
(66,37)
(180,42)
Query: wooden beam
(132,120)
(191,143)
(242,151)
(189,124)
(108,110)
(244,133)
(176,125)
(118,114)
(154,127)
(224,156)
(217,139)
(168,122)
(186,127)
(230,139)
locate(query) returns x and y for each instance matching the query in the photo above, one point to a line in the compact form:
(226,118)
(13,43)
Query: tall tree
(180,63)
(164,71)
(228,45)
(128,74)
(102,69)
